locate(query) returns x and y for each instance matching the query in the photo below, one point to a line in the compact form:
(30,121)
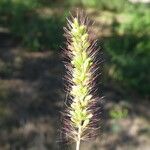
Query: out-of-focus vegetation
(114,5)
(127,47)
(129,50)
(26,21)
(118,112)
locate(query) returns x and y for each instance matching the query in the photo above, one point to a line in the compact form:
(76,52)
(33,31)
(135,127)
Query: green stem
(79,139)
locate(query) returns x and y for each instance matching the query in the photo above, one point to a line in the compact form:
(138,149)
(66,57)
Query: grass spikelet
(81,60)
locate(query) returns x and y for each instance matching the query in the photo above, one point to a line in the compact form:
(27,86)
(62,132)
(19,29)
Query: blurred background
(31,71)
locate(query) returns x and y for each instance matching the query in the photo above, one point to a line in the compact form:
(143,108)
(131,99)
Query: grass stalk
(82,64)
(79,139)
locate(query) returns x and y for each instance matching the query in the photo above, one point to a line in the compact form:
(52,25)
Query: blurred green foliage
(129,51)
(118,112)
(127,47)
(36,32)
(113,5)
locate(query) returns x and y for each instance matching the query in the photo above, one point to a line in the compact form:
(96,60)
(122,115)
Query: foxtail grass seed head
(81,60)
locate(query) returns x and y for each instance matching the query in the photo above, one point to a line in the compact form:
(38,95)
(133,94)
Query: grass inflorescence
(81,60)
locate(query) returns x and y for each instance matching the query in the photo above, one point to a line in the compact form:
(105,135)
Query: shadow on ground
(30,98)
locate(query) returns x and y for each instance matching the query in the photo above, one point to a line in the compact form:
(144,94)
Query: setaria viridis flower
(80,118)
